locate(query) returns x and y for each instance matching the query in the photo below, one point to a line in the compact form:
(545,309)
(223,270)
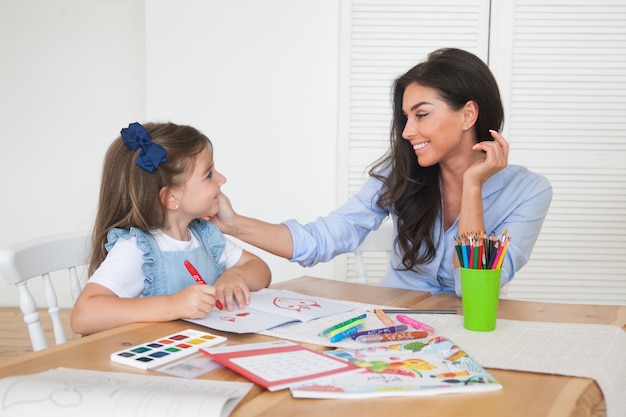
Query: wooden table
(524,394)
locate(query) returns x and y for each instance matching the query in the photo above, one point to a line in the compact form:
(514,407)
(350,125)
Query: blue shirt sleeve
(341,231)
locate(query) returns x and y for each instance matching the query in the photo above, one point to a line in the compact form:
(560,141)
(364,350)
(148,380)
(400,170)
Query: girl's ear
(168,198)
(470,114)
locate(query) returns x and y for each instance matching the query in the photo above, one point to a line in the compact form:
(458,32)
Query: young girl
(158,181)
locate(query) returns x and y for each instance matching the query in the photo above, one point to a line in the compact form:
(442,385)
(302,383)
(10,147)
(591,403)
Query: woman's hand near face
(493,158)
(496,155)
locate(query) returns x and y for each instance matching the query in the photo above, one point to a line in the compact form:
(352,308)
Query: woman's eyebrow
(415,106)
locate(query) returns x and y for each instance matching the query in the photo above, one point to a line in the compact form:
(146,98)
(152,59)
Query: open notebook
(270,308)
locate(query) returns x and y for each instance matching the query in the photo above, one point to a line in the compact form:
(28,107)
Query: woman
(446,172)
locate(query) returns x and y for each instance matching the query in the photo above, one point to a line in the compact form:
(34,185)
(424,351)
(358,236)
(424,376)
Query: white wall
(74,72)
(260,79)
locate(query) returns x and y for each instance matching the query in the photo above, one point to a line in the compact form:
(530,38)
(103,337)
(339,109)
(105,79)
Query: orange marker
(384,317)
(386,337)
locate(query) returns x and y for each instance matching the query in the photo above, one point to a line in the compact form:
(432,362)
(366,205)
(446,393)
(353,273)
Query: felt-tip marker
(346,333)
(196,275)
(386,337)
(392,329)
(414,323)
(342,324)
(359,322)
(383,317)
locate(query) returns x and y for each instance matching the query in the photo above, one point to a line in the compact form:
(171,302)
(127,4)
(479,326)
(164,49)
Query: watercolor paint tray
(166,349)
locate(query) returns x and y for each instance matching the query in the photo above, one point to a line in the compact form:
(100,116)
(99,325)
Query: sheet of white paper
(80,393)
(270,308)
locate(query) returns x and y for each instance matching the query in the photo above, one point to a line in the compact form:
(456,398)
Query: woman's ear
(470,114)
(168,198)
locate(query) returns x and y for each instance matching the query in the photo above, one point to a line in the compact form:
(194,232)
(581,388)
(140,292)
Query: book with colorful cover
(279,364)
(428,366)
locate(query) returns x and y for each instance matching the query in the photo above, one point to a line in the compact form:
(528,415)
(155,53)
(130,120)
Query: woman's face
(434,130)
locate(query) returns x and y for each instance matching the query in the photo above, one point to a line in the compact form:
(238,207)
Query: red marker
(194,273)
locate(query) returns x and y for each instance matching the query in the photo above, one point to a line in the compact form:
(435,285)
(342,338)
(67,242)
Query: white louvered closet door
(381,40)
(561,66)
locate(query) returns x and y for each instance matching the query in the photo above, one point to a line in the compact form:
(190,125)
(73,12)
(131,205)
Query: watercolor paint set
(166,349)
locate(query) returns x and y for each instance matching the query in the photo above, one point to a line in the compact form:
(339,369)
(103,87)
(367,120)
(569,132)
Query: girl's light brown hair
(129,195)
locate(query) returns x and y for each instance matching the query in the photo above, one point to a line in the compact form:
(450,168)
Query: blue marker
(346,333)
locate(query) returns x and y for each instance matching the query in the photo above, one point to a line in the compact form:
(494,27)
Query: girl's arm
(250,273)
(98,308)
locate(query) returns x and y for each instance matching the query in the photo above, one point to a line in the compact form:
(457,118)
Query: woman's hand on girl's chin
(225,216)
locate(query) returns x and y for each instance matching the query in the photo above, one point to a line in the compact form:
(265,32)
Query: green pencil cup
(480,293)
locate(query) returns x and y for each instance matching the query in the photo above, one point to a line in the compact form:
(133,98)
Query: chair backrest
(380,240)
(38,258)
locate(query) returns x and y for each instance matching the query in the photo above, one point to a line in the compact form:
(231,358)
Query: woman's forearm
(471,216)
(271,237)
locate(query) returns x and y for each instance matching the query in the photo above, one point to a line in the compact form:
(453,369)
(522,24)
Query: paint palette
(166,349)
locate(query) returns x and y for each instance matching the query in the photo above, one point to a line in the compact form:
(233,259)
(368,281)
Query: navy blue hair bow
(136,136)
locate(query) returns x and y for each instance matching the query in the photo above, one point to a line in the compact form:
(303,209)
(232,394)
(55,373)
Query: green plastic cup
(480,292)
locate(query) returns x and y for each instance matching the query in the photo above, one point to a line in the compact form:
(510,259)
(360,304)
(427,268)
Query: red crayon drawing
(295,304)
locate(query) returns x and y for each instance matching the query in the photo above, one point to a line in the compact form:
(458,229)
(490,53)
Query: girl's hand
(232,289)
(194,302)
(496,155)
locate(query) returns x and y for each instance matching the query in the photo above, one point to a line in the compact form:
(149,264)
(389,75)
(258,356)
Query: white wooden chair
(380,240)
(23,261)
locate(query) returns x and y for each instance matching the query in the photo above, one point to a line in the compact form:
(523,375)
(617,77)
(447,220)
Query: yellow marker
(342,324)
(359,322)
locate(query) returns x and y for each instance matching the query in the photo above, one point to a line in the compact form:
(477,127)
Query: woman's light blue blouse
(514,198)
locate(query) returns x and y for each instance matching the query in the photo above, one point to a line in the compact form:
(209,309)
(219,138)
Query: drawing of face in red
(297,304)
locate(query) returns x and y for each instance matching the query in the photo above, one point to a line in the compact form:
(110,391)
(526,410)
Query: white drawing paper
(270,308)
(80,393)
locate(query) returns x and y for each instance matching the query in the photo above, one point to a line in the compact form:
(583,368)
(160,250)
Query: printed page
(80,393)
(428,366)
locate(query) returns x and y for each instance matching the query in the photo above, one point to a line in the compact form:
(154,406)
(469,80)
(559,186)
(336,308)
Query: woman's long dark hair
(411,190)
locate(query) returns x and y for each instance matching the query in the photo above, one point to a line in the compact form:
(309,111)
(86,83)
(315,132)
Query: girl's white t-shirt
(121,270)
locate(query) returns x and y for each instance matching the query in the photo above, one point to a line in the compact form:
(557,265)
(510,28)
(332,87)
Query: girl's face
(199,193)
(434,130)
